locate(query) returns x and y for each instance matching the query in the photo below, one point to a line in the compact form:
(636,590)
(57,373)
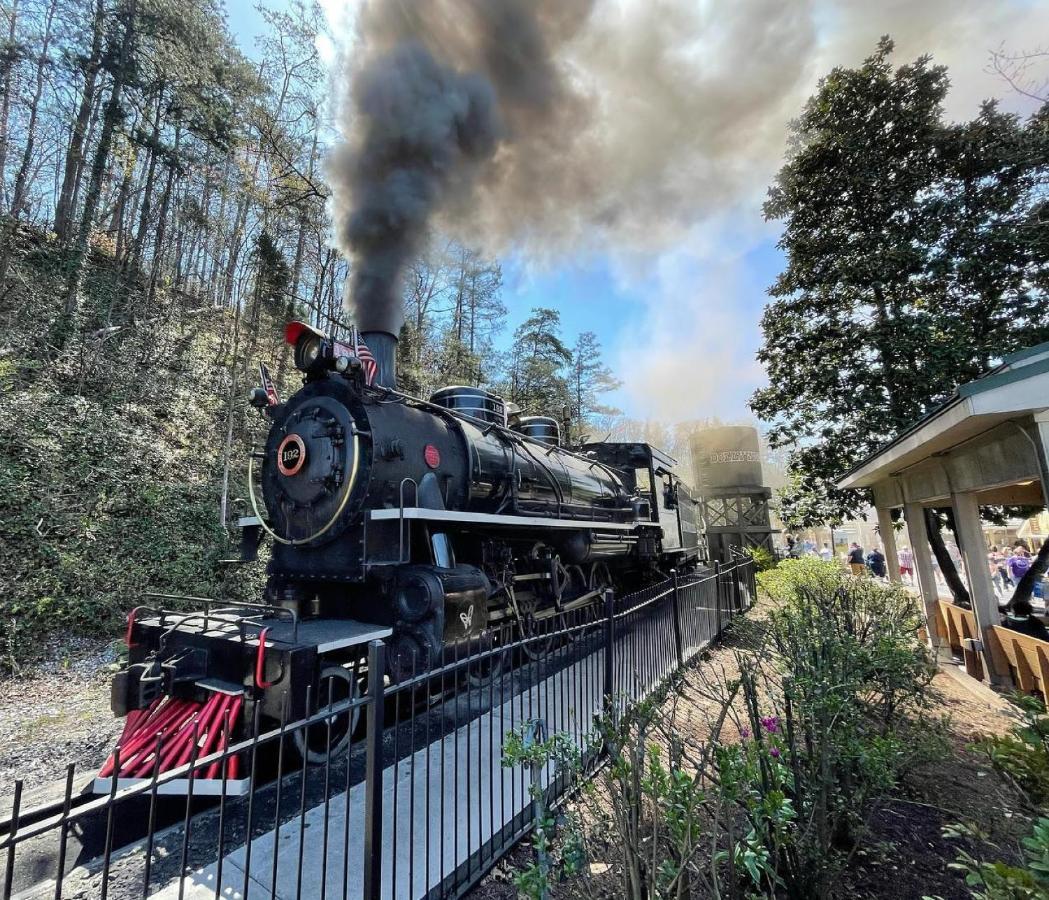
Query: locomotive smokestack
(383,346)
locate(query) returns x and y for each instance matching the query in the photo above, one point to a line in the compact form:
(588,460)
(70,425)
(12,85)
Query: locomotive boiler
(432,524)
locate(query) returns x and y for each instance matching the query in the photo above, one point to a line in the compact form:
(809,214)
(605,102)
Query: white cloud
(693,353)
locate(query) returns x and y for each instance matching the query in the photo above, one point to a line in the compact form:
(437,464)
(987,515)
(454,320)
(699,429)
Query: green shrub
(822,738)
(1022,755)
(763,559)
(559,851)
(998,880)
(862,632)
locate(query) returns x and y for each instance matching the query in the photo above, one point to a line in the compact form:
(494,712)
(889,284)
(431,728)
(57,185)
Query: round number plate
(291,455)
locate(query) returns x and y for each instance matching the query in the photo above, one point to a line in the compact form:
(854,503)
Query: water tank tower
(726,460)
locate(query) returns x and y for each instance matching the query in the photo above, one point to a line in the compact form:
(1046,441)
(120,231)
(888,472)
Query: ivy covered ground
(112,454)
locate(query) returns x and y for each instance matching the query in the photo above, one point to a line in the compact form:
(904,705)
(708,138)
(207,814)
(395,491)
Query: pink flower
(774,752)
(744,733)
(770,724)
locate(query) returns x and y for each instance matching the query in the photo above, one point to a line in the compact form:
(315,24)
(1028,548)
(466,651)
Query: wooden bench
(1026,657)
(957,625)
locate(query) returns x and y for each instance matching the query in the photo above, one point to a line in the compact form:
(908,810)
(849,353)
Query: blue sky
(676,300)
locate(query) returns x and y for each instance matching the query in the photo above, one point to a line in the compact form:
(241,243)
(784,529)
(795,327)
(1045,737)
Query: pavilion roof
(1017,387)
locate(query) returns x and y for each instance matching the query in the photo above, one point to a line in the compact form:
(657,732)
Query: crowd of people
(1007,567)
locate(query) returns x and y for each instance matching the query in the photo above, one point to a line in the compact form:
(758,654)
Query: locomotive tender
(429,524)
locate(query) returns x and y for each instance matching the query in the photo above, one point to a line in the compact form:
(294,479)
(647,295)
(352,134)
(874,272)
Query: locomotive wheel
(534,625)
(600,578)
(319,742)
(492,666)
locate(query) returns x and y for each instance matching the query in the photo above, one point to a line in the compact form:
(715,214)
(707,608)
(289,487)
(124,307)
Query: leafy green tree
(589,378)
(914,255)
(538,363)
(272,274)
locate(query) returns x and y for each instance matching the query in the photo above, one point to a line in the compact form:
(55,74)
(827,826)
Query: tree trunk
(235,241)
(165,205)
(943,559)
(21,189)
(117,223)
(68,322)
(207,273)
(300,246)
(78,178)
(5,105)
(134,260)
(1038,568)
(75,152)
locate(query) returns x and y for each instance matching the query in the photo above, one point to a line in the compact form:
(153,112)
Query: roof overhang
(1013,391)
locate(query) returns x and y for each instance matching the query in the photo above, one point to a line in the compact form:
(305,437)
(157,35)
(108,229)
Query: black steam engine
(431,524)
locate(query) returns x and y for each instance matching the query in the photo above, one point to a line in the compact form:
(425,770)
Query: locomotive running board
(202,787)
(468,518)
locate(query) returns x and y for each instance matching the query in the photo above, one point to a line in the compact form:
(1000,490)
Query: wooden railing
(1025,657)
(957,625)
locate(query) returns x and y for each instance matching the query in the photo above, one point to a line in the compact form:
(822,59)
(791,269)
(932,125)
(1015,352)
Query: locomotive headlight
(313,348)
(308,352)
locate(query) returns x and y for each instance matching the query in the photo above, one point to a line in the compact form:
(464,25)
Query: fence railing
(417,803)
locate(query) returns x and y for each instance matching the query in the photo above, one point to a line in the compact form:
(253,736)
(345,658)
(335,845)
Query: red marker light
(432,456)
(294,330)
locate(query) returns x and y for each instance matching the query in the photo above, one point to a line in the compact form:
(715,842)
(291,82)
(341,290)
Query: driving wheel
(331,735)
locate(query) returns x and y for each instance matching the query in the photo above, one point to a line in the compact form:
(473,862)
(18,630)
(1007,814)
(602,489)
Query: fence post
(610,642)
(717,595)
(373,842)
(676,608)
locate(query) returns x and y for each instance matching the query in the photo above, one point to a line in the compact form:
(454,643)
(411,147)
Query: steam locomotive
(430,524)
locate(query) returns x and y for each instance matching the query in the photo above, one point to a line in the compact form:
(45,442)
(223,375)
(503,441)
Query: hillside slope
(111,453)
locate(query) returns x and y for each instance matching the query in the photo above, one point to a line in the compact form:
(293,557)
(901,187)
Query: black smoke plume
(439,89)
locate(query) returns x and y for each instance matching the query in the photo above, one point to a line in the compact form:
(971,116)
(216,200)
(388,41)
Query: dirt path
(54,714)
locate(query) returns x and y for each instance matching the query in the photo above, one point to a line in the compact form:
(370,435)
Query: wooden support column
(1041,421)
(974,553)
(888,540)
(914,513)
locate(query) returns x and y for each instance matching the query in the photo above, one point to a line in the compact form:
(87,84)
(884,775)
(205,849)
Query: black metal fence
(417,804)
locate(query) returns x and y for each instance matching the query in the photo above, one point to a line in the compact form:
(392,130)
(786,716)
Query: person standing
(855,559)
(906,558)
(1019,563)
(876,563)
(826,554)
(1001,563)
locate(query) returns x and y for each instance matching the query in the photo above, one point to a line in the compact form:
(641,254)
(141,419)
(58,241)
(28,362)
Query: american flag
(361,351)
(267,385)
